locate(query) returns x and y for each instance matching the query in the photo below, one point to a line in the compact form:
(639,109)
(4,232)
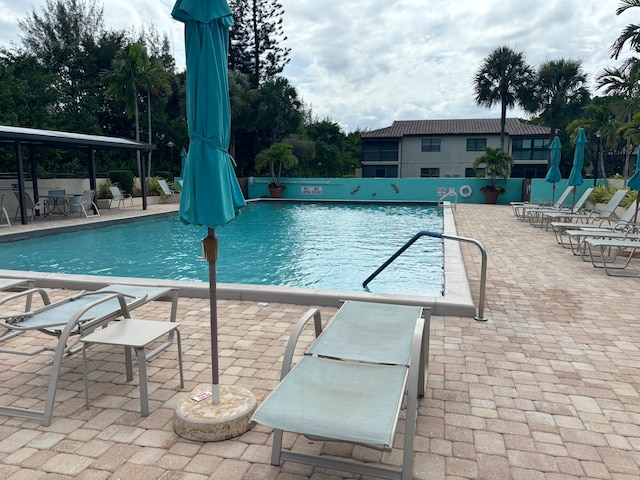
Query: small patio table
(137,334)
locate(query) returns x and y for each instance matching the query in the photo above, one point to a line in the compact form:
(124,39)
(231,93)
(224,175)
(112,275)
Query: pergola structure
(18,137)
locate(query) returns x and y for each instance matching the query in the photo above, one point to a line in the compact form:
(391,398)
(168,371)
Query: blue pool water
(311,245)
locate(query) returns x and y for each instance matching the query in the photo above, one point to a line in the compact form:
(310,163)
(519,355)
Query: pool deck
(547,389)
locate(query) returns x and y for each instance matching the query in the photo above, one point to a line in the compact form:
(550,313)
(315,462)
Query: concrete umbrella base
(205,422)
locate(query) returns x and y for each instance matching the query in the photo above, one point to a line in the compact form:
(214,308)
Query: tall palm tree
(504,78)
(279,107)
(623,82)
(630,34)
(133,70)
(561,92)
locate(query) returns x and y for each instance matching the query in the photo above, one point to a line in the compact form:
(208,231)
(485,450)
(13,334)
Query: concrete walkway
(547,389)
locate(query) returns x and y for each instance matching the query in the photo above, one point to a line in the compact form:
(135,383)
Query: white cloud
(365,63)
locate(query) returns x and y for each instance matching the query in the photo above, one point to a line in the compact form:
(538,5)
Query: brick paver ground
(547,389)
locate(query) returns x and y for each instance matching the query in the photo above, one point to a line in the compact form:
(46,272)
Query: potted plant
(277,157)
(497,163)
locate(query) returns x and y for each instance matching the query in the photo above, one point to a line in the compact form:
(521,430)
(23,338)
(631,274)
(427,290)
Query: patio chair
(166,191)
(350,384)
(3,211)
(85,203)
(41,206)
(118,196)
(76,316)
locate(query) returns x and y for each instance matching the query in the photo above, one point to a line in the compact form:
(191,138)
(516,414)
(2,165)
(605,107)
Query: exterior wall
(401,189)
(452,159)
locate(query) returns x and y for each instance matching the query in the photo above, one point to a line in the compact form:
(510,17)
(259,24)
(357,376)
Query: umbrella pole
(573,198)
(553,194)
(210,247)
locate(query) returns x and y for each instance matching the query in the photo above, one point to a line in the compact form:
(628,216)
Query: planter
(491,197)
(103,203)
(276,192)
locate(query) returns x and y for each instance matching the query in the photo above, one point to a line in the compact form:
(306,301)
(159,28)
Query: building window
(430,144)
(380,151)
(430,172)
(530,148)
(476,144)
(471,173)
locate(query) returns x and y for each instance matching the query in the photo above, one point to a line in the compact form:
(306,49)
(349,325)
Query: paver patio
(547,389)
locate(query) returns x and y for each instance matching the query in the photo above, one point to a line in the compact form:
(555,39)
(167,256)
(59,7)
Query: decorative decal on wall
(355,190)
(395,188)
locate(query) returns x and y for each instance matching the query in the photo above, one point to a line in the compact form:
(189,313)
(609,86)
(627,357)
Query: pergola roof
(50,138)
(32,138)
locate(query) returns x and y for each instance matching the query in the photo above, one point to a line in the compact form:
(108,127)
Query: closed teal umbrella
(554,175)
(634,184)
(211,194)
(183,161)
(575,176)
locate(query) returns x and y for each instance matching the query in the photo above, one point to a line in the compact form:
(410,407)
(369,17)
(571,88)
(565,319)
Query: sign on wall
(311,190)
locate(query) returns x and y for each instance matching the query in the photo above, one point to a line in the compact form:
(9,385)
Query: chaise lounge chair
(609,250)
(565,221)
(77,316)
(166,191)
(541,216)
(520,208)
(350,384)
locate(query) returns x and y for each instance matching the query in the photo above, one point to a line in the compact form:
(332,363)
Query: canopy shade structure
(17,137)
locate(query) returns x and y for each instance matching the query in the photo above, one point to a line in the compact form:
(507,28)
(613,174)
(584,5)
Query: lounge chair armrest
(312,313)
(28,293)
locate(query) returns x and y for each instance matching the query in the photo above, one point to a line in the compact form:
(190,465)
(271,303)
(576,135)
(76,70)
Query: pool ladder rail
(449,194)
(424,233)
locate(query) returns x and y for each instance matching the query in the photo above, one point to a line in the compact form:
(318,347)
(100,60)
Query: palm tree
(561,92)
(630,34)
(624,82)
(504,78)
(279,107)
(132,70)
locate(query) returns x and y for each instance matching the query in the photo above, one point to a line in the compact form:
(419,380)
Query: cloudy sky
(366,63)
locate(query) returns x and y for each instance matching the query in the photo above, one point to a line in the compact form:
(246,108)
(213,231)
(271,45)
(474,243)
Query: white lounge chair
(540,217)
(350,385)
(566,221)
(520,208)
(118,196)
(609,250)
(78,315)
(166,191)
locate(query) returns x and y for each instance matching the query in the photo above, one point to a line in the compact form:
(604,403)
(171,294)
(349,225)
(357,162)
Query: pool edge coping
(456,301)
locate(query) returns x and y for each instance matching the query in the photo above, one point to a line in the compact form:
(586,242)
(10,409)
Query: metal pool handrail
(483,274)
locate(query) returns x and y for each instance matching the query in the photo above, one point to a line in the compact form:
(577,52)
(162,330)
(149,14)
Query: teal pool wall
(401,189)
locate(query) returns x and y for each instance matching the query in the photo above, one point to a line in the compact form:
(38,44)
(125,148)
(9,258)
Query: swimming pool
(332,246)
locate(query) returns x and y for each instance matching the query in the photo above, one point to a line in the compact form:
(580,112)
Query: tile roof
(481,126)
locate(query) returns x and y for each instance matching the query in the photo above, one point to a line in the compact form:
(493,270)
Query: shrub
(629,198)
(122,178)
(600,194)
(103,189)
(162,174)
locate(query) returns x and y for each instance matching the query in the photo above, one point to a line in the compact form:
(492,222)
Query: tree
(64,37)
(255,39)
(277,157)
(279,110)
(496,163)
(132,70)
(630,34)
(560,92)
(504,78)
(624,83)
